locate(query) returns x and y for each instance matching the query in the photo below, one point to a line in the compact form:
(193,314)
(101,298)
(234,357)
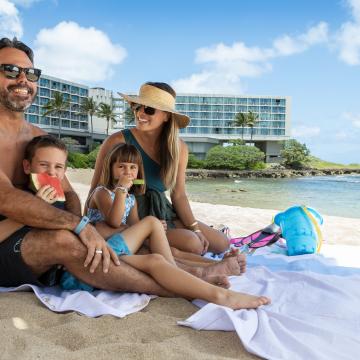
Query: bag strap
(316,226)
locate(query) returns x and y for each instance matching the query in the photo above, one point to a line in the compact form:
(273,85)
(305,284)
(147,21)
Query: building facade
(212,117)
(212,122)
(73,123)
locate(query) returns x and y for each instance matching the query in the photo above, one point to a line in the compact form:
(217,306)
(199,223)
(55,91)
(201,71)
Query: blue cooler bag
(300,227)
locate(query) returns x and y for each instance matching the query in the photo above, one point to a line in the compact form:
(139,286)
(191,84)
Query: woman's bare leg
(184,284)
(186,240)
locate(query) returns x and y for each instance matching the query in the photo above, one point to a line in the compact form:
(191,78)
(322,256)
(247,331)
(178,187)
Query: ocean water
(330,195)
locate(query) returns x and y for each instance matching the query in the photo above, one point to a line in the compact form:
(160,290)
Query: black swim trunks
(13,270)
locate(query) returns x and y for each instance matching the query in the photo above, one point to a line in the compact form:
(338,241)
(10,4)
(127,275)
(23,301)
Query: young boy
(43,154)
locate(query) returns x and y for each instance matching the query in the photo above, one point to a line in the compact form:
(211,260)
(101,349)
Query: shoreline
(243,220)
(267,173)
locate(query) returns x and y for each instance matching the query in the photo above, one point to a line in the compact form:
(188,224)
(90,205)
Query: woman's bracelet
(193,226)
(122,189)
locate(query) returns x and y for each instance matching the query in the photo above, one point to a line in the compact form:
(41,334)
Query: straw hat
(159,99)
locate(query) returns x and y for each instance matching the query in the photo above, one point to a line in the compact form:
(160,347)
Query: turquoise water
(330,195)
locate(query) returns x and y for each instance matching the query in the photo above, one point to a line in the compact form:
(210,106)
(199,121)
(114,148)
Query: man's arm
(28,209)
(72,203)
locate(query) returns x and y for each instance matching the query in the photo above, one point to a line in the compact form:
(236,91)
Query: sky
(306,49)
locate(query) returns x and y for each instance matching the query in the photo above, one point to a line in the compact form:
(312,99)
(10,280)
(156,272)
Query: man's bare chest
(11,159)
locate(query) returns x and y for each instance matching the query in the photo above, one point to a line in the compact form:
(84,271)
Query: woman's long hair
(122,153)
(169,144)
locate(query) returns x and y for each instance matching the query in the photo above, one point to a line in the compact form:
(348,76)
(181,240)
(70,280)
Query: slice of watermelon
(37,181)
(138,182)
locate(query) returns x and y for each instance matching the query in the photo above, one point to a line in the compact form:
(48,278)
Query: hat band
(157,96)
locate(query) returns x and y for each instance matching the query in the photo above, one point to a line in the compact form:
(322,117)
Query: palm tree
(90,108)
(252,119)
(57,105)
(129,116)
(106,111)
(241,120)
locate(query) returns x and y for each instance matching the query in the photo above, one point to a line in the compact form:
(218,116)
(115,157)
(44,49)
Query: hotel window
(229,108)
(253,108)
(241,108)
(253,101)
(242,101)
(228,100)
(265,101)
(217,100)
(44,82)
(45,121)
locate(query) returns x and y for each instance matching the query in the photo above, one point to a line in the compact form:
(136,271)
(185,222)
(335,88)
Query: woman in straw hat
(165,157)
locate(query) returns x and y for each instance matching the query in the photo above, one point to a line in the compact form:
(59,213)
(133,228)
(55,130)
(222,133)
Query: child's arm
(8,227)
(113,211)
(133,217)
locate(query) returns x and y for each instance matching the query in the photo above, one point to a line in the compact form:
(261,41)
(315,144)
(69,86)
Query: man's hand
(204,242)
(98,250)
(47,193)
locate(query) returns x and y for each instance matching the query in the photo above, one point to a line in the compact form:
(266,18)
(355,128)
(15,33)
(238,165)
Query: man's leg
(42,249)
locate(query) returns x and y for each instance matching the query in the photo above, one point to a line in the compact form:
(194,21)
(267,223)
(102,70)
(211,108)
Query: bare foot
(218,280)
(230,265)
(237,300)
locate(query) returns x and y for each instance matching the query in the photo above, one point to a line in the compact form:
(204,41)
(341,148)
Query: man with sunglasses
(50,236)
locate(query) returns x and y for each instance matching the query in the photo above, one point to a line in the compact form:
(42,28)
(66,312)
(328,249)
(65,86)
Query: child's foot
(237,301)
(218,280)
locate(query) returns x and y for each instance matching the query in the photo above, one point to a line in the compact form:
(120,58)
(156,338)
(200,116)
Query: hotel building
(212,117)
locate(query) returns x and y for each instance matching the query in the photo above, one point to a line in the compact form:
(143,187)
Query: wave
(353,179)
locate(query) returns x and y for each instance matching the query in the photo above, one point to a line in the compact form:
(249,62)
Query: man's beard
(16,105)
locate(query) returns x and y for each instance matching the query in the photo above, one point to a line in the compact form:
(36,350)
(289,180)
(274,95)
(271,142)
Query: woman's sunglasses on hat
(13,72)
(148,110)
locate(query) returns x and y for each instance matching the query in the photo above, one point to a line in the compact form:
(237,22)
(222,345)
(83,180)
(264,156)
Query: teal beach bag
(300,227)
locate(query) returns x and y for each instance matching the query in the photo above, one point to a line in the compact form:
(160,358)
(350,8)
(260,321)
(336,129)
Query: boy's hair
(43,141)
(16,44)
(122,153)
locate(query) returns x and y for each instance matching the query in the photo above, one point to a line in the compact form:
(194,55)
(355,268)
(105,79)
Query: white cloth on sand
(91,304)
(314,314)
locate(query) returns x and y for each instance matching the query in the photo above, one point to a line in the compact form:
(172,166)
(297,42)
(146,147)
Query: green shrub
(78,161)
(194,162)
(238,157)
(295,155)
(91,157)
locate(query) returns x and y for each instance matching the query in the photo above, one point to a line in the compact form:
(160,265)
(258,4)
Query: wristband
(80,226)
(122,189)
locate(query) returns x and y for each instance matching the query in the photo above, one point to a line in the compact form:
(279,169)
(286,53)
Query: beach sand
(31,331)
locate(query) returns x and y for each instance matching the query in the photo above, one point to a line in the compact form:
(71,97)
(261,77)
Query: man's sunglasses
(147,109)
(13,72)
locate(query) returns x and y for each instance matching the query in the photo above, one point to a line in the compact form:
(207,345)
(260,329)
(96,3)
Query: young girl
(111,202)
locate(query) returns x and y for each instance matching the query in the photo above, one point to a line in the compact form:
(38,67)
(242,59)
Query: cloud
(10,23)
(305,131)
(353,118)
(347,39)
(25,3)
(287,45)
(77,53)
(225,66)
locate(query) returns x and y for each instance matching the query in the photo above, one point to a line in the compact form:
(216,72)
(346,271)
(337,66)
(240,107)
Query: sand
(31,331)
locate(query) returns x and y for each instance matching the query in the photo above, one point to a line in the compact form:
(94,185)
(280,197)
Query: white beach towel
(92,304)
(315,310)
